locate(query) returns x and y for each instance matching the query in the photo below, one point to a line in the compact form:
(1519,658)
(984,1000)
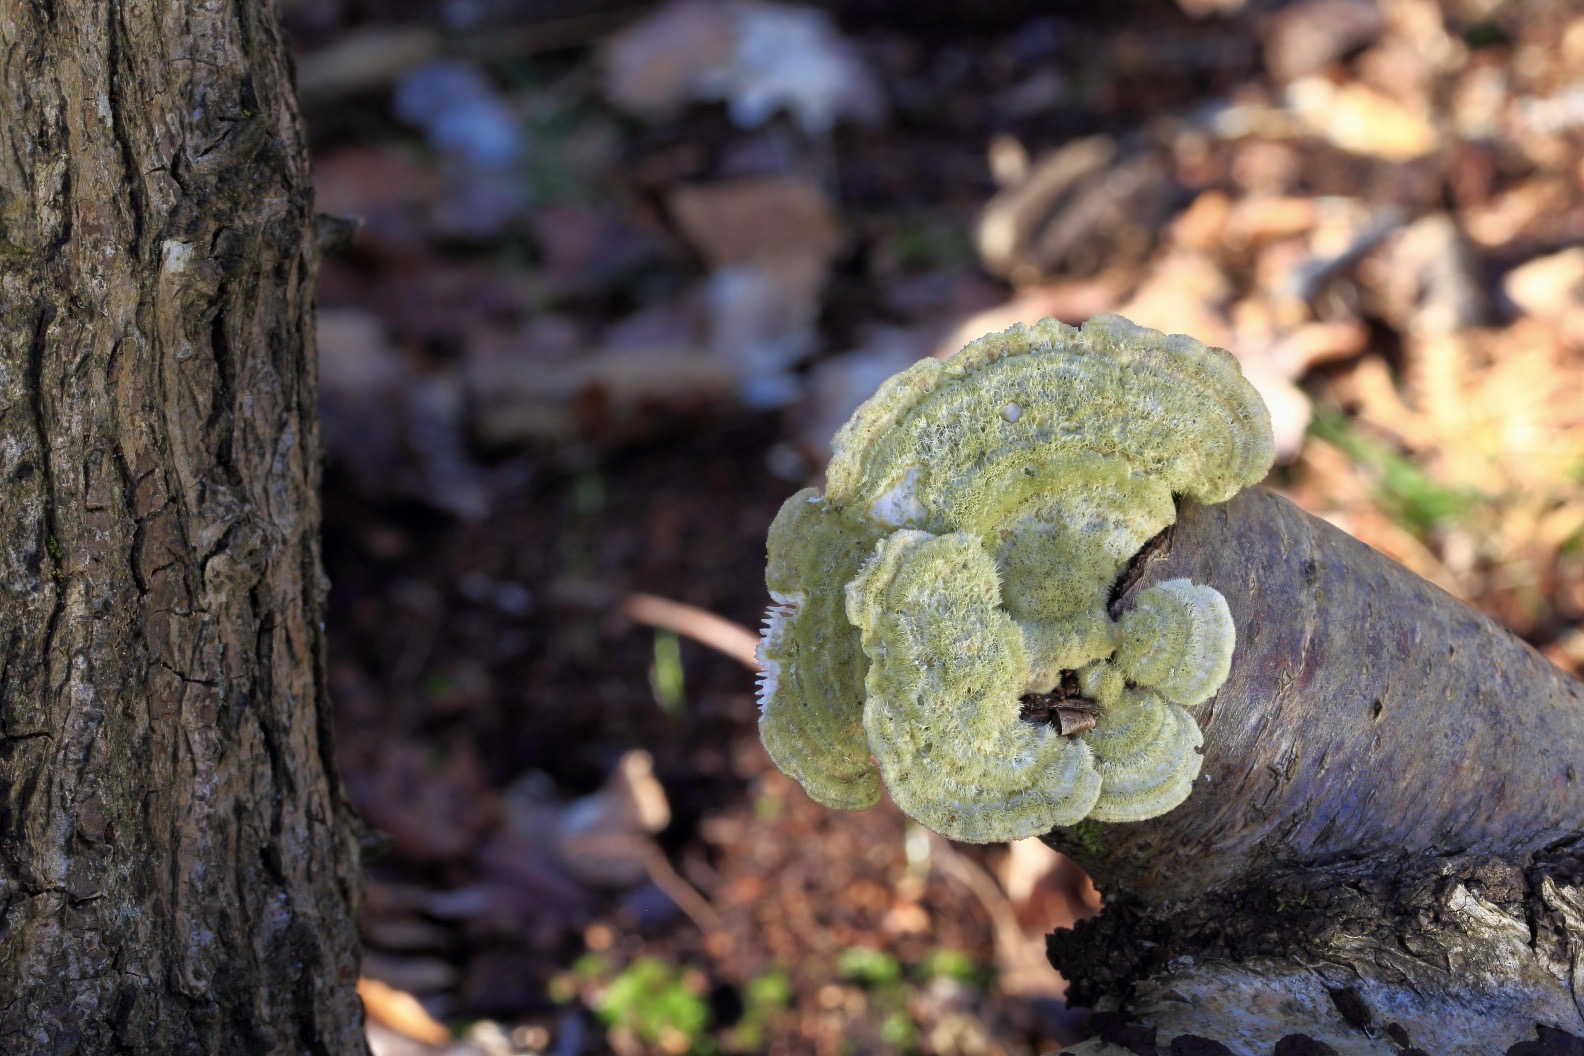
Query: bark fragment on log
(1466,956)
(1390,811)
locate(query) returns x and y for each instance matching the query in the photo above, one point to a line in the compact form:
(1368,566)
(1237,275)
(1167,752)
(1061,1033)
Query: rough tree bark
(1384,847)
(177,866)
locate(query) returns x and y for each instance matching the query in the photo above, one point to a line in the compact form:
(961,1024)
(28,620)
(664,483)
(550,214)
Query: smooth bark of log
(1389,811)
(1368,714)
(177,869)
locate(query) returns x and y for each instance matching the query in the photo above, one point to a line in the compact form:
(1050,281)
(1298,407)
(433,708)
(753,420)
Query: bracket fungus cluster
(976,516)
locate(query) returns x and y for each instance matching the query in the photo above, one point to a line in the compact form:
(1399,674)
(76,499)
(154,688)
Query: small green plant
(656,1002)
(944,963)
(772,990)
(665,674)
(1284,904)
(591,967)
(1408,494)
(868,967)
(764,997)
(588,494)
(767,807)
(589,970)
(889,988)
(898,1031)
(437,684)
(919,243)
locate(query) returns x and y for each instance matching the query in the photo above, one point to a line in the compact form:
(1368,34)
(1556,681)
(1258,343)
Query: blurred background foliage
(623,268)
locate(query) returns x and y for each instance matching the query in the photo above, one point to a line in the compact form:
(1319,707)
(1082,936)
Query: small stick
(702,626)
(690,621)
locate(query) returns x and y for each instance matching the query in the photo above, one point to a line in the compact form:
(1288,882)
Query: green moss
(1090,836)
(52,545)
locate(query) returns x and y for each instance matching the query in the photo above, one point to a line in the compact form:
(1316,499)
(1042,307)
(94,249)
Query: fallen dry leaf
(758,58)
(755,221)
(1548,287)
(603,839)
(435,802)
(1306,37)
(359,62)
(1071,302)
(762,320)
(400,1011)
(1361,120)
(607,396)
(1091,205)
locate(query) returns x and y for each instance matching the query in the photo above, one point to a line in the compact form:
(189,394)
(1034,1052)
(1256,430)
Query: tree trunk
(1384,843)
(177,866)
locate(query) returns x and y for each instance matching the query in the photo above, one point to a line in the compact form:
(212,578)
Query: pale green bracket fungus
(976,517)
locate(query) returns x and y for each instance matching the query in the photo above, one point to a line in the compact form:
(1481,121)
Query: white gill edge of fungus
(775,621)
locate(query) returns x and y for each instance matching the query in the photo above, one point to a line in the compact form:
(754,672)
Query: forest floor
(623,269)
